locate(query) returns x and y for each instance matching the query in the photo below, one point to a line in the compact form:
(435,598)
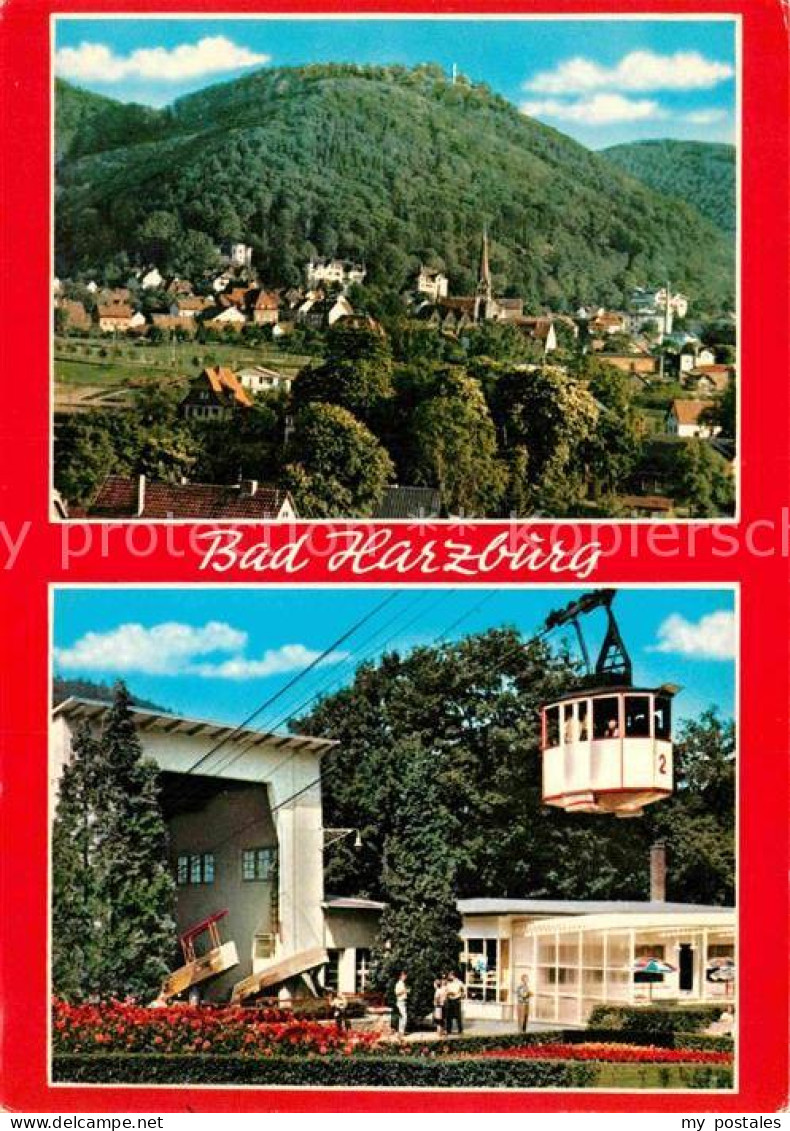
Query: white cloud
(274,661)
(95,62)
(600,110)
(162,649)
(712,637)
(637,71)
(183,649)
(705,117)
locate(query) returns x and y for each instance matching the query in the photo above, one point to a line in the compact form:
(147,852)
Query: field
(86,368)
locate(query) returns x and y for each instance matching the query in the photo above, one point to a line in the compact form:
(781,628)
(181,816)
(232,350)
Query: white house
(231,317)
(341,272)
(686,419)
(236,253)
(151,280)
(259,379)
(322,312)
(433,284)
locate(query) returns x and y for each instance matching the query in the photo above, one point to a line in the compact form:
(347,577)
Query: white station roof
(89,710)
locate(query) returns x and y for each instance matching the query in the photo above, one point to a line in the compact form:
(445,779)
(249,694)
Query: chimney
(658,872)
(248,487)
(140,495)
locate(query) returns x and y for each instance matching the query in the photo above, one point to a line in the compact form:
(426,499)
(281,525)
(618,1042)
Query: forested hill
(388,165)
(89,123)
(700,173)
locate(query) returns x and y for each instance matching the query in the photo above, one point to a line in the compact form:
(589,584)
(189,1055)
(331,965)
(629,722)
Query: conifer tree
(112,880)
(419,929)
(75,889)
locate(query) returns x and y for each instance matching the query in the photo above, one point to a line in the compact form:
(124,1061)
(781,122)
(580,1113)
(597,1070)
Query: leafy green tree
(722,413)
(356,374)
(159,237)
(698,823)
(613,448)
(500,342)
(551,417)
(195,255)
(703,481)
(333,464)
(247,447)
(115,876)
(467,713)
(450,443)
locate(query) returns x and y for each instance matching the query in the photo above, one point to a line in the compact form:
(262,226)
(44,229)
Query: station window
(332,969)
(195,868)
(361,969)
(582,714)
(258,863)
(553,726)
(606,717)
(637,716)
(663,717)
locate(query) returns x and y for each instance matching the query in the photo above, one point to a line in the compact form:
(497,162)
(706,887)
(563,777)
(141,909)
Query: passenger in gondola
(612,729)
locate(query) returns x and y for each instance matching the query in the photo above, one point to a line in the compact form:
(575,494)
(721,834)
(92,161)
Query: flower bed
(610,1053)
(119,1027)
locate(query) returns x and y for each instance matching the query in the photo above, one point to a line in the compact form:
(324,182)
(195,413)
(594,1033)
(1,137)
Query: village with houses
(222,347)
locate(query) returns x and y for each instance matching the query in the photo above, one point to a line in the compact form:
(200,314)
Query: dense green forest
(700,173)
(384,164)
(63,688)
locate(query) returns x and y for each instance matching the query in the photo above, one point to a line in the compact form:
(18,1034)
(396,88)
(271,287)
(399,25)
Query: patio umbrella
(652,965)
(721,970)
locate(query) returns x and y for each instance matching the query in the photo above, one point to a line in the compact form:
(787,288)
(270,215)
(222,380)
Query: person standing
(523,994)
(401,998)
(455,992)
(339,1005)
(439,1004)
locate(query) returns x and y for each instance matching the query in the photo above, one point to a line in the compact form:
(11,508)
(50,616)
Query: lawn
(78,361)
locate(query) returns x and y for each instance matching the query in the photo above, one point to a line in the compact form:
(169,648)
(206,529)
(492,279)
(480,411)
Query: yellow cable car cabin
(608,750)
(606,746)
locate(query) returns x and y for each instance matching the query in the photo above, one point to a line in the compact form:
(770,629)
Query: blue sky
(601,81)
(220,652)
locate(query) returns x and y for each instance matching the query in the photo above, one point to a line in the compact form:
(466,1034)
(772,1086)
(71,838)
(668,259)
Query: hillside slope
(700,173)
(388,165)
(87,123)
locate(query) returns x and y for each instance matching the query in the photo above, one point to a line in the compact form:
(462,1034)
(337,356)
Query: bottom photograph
(394,837)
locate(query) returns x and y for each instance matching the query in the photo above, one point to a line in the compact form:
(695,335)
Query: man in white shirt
(455,992)
(401,996)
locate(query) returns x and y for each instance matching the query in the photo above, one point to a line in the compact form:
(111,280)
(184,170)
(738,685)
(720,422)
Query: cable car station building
(247,838)
(580,954)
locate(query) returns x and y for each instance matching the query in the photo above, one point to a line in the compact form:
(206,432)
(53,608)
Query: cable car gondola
(606,746)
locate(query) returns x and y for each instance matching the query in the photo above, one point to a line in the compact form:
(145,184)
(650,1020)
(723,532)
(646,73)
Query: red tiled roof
(266,300)
(170,322)
(117,310)
(647,502)
(118,498)
(224,381)
(713,370)
(689,412)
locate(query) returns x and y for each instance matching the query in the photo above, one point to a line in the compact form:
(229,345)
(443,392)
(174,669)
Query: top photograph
(395,269)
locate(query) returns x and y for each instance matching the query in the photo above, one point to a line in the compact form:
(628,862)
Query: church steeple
(484,294)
